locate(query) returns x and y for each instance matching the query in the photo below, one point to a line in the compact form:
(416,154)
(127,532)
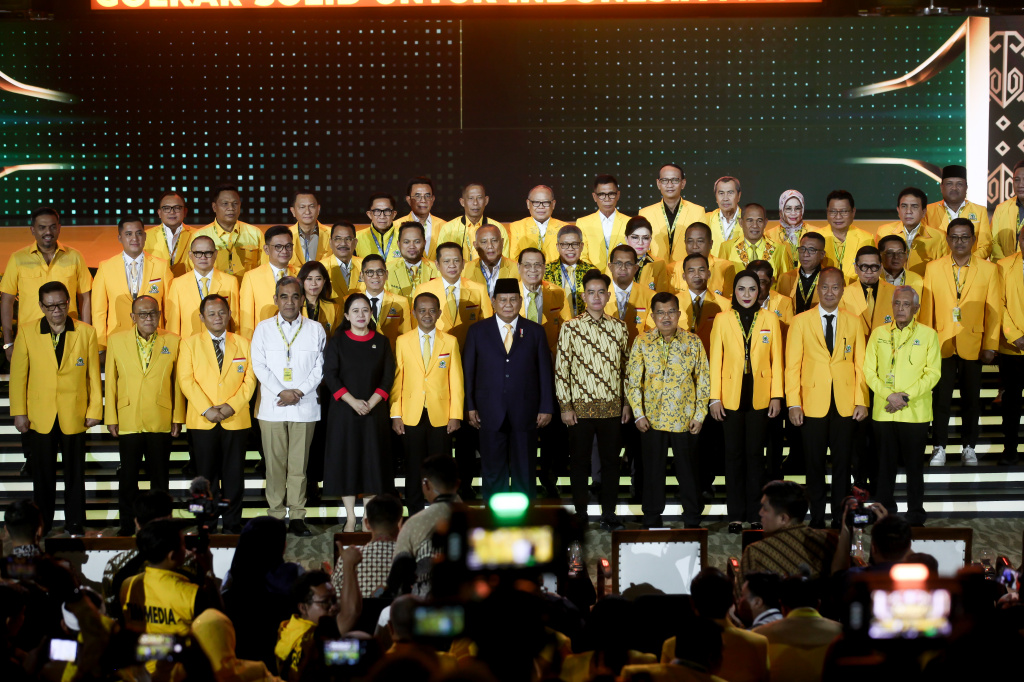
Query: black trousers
(609,443)
(906,441)
(420,442)
(1011,372)
(634,455)
(966,374)
(317,448)
(864,464)
(220,456)
(508,453)
(554,443)
(133,447)
(44,474)
(467,442)
(823,434)
(744,432)
(710,443)
(655,445)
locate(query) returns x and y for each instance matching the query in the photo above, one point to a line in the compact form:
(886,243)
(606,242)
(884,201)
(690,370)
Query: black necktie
(829,333)
(220,354)
(373,308)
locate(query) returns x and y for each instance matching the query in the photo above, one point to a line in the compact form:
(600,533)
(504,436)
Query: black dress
(357,459)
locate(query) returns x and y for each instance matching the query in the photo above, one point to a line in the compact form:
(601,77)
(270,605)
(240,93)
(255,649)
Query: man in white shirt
(288,357)
(605,229)
(538,230)
(419,194)
(725,219)
(170,239)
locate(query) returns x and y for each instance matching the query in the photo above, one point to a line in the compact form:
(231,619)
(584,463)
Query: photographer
(890,537)
(148,507)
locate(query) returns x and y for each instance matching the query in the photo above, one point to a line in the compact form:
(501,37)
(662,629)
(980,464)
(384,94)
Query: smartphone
(343,652)
(63,650)
(439,621)
(156,647)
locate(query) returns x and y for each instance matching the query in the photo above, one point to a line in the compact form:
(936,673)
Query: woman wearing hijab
(746,389)
(791,227)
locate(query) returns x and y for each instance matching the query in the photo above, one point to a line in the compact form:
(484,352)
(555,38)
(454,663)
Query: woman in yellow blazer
(747,386)
(319,306)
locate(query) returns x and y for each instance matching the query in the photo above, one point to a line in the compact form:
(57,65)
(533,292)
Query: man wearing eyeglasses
(256,295)
(419,194)
(962,302)
(925,241)
(123,278)
(462,230)
(170,239)
(629,301)
(239,244)
(893,251)
(671,216)
(801,284)
(381,237)
(311,238)
(846,238)
(144,407)
(954,204)
(56,396)
(390,311)
(605,229)
(343,266)
(568,271)
(538,230)
(181,303)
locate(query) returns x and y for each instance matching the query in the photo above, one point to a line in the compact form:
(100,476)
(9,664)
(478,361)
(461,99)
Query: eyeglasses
(204,254)
(569,245)
(869,267)
(670,181)
(172,209)
(324,602)
(960,238)
(374,273)
(282,248)
(607,195)
(807,250)
(147,315)
(422,197)
(540,204)
(381,212)
(344,240)
(666,313)
(835,212)
(622,264)
(55,307)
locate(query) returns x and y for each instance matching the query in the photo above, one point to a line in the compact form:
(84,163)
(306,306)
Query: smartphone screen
(63,650)
(439,621)
(342,651)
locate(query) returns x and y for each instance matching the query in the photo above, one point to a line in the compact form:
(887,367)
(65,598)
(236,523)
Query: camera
(343,652)
(861,516)
(158,647)
(206,509)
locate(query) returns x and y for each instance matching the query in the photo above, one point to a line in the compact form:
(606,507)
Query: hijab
(785,197)
(747,315)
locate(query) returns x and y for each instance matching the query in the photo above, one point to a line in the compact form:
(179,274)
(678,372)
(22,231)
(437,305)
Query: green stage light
(509,506)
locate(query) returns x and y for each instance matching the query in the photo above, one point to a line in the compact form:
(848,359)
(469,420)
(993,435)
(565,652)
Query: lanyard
(571,282)
(305,243)
(227,244)
(956,277)
(170,251)
(671,223)
(312,310)
(55,339)
(199,285)
(640,268)
(287,343)
(746,340)
(839,255)
(892,343)
(805,294)
(385,252)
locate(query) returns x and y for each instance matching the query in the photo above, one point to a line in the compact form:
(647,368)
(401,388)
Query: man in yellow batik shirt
(311,237)
(170,239)
(954,205)
(538,230)
(239,245)
(668,384)
(925,241)
(752,244)
(670,217)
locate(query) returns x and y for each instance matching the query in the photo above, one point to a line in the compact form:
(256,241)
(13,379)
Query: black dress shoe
(26,470)
(74,529)
(125,532)
(188,471)
(735,527)
(234,529)
(299,528)
(756,525)
(612,523)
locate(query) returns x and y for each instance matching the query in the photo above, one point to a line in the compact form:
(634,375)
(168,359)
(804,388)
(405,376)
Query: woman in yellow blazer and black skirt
(747,386)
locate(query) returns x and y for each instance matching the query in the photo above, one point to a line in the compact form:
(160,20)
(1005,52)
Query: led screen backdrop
(117,108)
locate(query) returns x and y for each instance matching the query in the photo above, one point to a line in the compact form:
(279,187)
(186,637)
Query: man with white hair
(902,363)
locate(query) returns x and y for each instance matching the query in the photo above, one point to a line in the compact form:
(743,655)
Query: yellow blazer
(929,244)
(395,316)
(43,391)
(256,298)
(323,245)
(727,358)
(1004,229)
(398,276)
(330,316)
(674,249)
(246,252)
(474,305)
(789,283)
(341,288)
(594,250)
(722,273)
(789,257)
(204,385)
(654,276)
(459,232)
(639,315)
(524,233)
(938,218)
(137,401)
(112,299)
(156,246)
(855,238)
(813,376)
(439,387)
(713,305)
(1013,303)
(980,307)
(435,231)
(554,311)
(910,279)
(181,303)
(855,303)
(508,268)
(718,238)
(367,240)
(740,252)
(782,306)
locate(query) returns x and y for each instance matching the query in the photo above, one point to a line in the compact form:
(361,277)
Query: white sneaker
(968,457)
(939,457)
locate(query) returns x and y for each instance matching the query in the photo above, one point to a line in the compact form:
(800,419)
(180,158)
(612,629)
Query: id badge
(287,374)
(890,380)
(956,314)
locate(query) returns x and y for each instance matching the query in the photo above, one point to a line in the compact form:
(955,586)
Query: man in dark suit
(509,391)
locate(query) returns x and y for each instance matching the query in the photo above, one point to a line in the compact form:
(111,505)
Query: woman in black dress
(359,369)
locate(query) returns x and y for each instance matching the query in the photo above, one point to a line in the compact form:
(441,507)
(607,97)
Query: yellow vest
(159,601)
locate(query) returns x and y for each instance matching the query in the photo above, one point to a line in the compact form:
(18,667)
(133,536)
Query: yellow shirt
(293,639)
(843,254)
(938,218)
(463,232)
(159,601)
(27,270)
(238,251)
(907,361)
(370,241)
(668,382)
(742,252)
(777,234)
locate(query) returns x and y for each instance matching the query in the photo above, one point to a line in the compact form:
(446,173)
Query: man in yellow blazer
(390,311)
(698,239)
(216,377)
(846,238)
(606,228)
(629,301)
(1008,218)
(870,297)
(926,241)
(893,250)
(412,269)
(124,277)
(170,239)
(901,367)
(256,295)
(55,395)
(725,222)
(954,204)
(653,274)
(311,239)
(181,302)
(463,302)
(343,266)
(538,230)
(462,230)
(962,301)
(490,266)
(427,401)
(239,244)
(825,391)
(1011,352)
(543,302)
(419,195)
(381,237)
(752,245)
(699,305)
(671,216)
(801,284)
(144,407)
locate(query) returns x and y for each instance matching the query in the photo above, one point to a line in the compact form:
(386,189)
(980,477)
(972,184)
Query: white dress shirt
(607,225)
(910,235)
(427,227)
(346,269)
(501,326)
(490,275)
(622,297)
(538,301)
(458,290)
(134,286)
(172,240)
(728,225)
(270,359)
(824,323)
(953,214)
(430,335)
(542,228)
(199,281)
(274,269)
